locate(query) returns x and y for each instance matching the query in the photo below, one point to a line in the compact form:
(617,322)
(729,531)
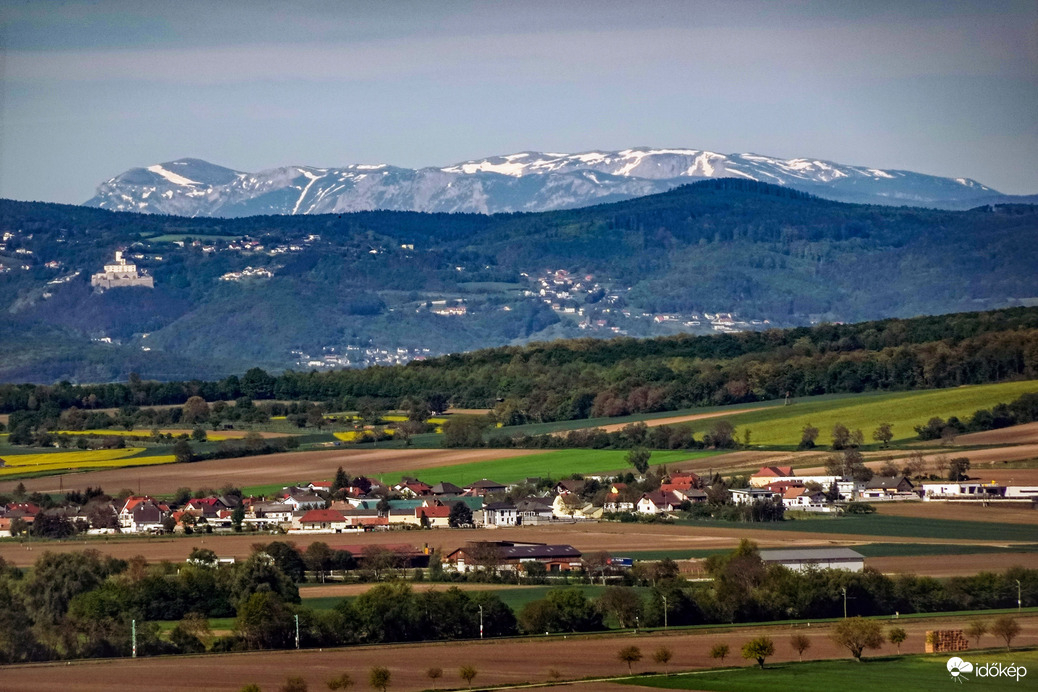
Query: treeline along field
(584,378)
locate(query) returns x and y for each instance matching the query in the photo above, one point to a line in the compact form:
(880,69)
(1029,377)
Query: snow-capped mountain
(527,181)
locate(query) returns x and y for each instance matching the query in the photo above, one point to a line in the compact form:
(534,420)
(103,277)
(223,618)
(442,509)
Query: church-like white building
(121,274)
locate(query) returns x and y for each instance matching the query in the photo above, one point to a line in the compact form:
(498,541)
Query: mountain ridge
(524,181)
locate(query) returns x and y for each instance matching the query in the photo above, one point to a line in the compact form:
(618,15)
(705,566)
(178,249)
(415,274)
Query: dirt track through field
(614,427)
(289,467)
(512,661)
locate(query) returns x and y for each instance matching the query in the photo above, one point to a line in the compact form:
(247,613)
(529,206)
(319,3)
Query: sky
(89,89)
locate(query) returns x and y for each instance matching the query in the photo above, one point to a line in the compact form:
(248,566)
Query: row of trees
(84,604)
(582,378)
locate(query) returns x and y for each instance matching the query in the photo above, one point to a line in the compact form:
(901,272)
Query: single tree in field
(379,678)
(639,459)
(841,437)
(554,673)
(434,674)
(800,644)
(468,674)
(663,655)
(896,636)
(720,651)
(883,434)
(759,650)
(808,437)
(976,630)
(629,655)
(343,682)
(857,634)
(1006,628)
(294,684)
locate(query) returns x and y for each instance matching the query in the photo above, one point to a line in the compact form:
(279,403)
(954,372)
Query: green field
(918,673)
(883,525)
(774,424)
(556,464)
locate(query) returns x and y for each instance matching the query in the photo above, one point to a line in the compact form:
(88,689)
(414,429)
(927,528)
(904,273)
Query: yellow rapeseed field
(17,464)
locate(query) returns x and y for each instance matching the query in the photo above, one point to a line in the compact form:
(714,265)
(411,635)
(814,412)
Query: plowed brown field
(497,662)
(1014,514)
(290,467)
(1015,435)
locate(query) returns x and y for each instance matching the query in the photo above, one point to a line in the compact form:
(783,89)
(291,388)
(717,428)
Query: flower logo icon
(956,667)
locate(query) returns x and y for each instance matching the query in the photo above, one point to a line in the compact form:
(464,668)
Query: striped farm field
(53,462)
(903,410)
(773,424)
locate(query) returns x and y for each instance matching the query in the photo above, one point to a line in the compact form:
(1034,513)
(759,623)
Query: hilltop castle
(121,274)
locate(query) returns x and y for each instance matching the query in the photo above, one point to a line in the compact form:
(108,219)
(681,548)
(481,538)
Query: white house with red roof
(321,521)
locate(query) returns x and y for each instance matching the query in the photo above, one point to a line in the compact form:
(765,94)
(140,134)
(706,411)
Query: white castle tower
(121,274)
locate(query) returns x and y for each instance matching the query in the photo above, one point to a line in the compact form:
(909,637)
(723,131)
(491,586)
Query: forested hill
(586,377)
(365,287)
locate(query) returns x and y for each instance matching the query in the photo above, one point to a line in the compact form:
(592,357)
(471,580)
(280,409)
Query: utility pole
(134,635)
(1019,600)
(481,622)
(297,631)
(664,612)
(844,590)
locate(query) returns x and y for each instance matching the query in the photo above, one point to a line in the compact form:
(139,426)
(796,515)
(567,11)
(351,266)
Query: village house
(304,501)
(445,488)
(746,496)
(485,487)
(806,500)
(264,515)
(889,488)
(500,514)
(532,511)
(435,516)
(659,502)
(770,474)
(142,514)
(573,507)
(322,521)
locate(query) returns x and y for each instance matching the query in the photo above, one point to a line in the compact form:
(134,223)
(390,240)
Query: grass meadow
(555,464)
(920,673)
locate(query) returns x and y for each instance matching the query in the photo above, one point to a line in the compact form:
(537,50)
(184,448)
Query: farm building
(802,559)
(508,556)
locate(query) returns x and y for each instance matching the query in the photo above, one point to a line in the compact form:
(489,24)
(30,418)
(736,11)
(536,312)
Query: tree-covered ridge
(369,278)
(577,379)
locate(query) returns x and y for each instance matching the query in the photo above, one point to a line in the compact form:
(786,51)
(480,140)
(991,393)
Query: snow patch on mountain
(522,181)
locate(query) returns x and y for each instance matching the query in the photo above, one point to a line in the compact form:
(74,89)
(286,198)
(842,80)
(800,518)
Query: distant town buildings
(121,274)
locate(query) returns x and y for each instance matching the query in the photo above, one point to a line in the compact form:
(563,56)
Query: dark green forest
(761,251)
(573,379)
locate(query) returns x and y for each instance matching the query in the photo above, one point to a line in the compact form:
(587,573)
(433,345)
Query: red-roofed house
(769,474)
(437,516)
(323,520)
(659,502)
